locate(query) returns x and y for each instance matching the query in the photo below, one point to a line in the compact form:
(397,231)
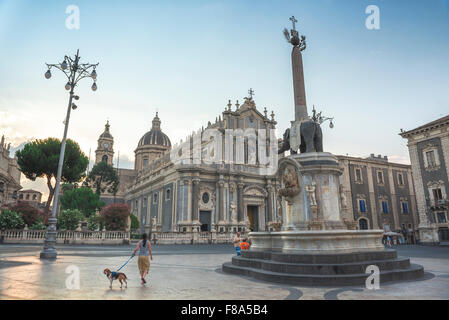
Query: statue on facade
(233,209)
(153,223)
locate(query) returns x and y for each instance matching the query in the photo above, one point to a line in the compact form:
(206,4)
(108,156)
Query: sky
(186,59)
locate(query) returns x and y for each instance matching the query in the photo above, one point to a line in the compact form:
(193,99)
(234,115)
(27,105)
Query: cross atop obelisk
(299,44)
(293,20)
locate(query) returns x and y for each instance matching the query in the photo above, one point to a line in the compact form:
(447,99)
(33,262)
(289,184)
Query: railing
(65,236)
(115,237)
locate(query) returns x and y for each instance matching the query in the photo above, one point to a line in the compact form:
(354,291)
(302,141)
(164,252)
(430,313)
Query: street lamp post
(74,72)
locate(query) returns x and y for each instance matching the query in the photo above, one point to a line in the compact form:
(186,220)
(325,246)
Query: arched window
(167,194)
(145,162)
(105,158)
(28,197)
(21,196)
(2,187)
(363,224)
(34,197)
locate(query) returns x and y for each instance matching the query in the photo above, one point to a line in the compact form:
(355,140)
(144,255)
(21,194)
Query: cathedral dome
(155,136)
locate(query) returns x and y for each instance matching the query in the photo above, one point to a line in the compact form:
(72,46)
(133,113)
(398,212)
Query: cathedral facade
(225,196)
(9,175)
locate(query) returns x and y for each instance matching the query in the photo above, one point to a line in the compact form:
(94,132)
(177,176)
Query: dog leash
(126,263)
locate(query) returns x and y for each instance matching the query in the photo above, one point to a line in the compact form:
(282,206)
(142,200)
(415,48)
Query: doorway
(363,224)
(253,217)
(443,234)
(205,220)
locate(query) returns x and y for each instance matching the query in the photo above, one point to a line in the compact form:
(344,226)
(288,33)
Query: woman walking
(144,248)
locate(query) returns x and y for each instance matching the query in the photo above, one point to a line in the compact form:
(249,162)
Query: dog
(116,275)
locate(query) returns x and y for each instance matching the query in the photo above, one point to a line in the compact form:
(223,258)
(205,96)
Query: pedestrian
(236,243)
(144,248)
(244,245)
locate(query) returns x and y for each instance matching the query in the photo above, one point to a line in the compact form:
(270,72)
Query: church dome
(155,136)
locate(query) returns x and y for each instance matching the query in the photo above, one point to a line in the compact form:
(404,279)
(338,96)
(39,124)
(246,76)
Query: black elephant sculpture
(311,138)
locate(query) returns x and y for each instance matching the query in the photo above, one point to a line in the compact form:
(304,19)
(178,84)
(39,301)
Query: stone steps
(411,273)
(323,269)
(345,269)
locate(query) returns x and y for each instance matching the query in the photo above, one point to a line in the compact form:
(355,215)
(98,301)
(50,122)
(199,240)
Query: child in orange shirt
(244,245)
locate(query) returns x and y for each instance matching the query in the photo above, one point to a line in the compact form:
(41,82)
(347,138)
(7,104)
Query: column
(445,146)
(195,199)
(270,211)
(240,207)
(397,224)
(221,203)
(372,198)
(418,183)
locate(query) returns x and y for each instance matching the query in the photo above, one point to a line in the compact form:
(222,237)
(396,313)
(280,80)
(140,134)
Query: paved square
(189,272)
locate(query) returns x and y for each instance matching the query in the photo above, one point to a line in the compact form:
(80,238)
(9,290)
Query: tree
(115,216)
(69,219)
(10,220)
(83,199)
(39,159)
(94,223)
(103,177)
(134,222)
(29,214)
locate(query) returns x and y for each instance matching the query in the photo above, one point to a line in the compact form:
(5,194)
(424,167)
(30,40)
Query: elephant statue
(311,138)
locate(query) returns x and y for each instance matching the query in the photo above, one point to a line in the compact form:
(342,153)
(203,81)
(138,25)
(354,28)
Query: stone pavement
(189,272)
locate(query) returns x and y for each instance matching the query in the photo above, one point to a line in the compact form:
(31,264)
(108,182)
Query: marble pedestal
(317,241)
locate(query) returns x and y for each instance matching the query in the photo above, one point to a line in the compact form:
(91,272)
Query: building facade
(225,197)
(429,155)
(9,175)
(32,197)
(379,194)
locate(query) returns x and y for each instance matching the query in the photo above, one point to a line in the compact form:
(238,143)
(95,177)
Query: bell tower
(105,150)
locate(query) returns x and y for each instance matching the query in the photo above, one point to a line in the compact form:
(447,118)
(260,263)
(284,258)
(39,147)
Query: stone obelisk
(299,44)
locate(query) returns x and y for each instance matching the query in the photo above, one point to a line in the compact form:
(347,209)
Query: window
(400,179)
(362,205)
(28,197)
(145,162)
(105,158)
(430,156)
(404,206)
(2,187)
(437,195)
(384,206)
(155,198)
(358,175)
(205,197)
(21,196)
(167,194)
(34,197)
(380,177)
(441,216)
(144,204)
